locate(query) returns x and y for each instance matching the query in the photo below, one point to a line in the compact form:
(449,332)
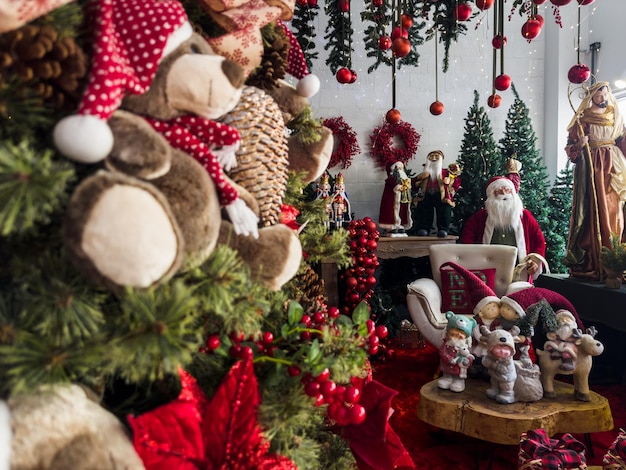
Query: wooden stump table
(474,414)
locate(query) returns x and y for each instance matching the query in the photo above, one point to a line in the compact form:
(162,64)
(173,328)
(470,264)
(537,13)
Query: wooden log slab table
(474,414)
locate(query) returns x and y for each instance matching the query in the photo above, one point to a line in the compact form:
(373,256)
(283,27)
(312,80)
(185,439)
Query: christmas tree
(479,160)
(264,362)
(559,209)
(520,141)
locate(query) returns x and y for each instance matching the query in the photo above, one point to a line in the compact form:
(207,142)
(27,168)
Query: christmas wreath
(382,142)
(347,146)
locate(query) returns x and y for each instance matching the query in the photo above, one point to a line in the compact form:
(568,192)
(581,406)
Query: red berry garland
(347,146)
(359,279)
(383,148)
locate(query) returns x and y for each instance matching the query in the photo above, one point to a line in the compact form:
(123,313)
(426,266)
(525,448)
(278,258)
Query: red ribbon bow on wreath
(555,454)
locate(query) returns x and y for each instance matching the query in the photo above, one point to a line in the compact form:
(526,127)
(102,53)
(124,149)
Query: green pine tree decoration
(559,209)
(446,28)
(520,141)
(128,346)
(338,36)
(479,160)
(383,21)
(304,17)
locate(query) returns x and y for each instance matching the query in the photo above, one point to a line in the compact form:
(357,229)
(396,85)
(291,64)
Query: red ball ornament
(560,3)
(484,4)
(302,3)
(399,32)
(407,21)
(343,75)
(312,3)
(384,43)
(462,12)
(436,108)
(401,47)
(539,2)
(539,18)
(343,5)
(351,282)
(393,116)
(585,2)
(578,74)
(494,100)
(531,29)
(498,41)
(353,77)
(502,82)
(377,3)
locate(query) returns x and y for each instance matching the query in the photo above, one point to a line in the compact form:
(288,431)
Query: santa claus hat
(480,293)
(308,84)
(131,37)
(498,182)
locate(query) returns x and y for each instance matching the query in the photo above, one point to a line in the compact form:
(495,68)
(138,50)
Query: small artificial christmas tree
(479,160)
(559,208)
(520,141)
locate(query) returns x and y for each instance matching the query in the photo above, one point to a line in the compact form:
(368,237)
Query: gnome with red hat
(504,221)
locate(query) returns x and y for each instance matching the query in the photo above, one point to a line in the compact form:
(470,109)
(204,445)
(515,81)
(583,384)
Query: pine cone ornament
(310,284)
(273,63)
(262,159)
(46,66)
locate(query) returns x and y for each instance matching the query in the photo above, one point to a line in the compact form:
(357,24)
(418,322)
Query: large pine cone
(263,158)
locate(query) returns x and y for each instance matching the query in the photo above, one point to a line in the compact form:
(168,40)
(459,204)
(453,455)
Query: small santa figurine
(395,212)
(436,187)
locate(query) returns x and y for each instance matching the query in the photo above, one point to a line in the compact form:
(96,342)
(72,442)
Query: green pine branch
(32,187)
(304,17)
(338,37)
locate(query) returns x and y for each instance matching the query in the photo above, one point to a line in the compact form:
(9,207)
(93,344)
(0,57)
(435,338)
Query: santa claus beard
(504,210)
(434,168)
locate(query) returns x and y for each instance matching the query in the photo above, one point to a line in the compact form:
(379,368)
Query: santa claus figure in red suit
(504,221)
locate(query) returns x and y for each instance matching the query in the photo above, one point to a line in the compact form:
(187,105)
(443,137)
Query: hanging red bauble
(531,29)
(539,18)
(560,3)
(502,82)
(384,43)
(406,21)
(484,4)
(393,116)
(343,75)
(302,3)
(353,77)
(494,100)
(399,32)
(377,3)
(579,73)
(585,2)
(498,41)
(539,2)
(401,47)
(312,3)
(436,108)
(343,5)
(462,12)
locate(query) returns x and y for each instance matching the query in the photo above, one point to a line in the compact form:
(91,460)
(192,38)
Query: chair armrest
(424,305)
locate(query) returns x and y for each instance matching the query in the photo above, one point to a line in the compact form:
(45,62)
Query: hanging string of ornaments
(339,33)
(346,139)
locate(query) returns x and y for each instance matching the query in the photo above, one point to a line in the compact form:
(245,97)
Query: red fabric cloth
(555,454)
(534,239)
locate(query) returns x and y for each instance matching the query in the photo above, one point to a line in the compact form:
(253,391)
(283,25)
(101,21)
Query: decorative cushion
(455,296)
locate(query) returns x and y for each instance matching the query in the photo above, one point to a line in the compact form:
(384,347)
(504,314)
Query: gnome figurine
(486,310)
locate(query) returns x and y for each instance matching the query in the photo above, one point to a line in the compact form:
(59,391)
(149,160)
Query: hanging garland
(347,146)
(382,143)
(302,23)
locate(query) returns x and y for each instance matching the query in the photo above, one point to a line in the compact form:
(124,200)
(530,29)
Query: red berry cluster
(359,279)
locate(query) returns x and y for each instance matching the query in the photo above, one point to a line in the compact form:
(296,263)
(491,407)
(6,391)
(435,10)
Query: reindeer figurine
(551,364)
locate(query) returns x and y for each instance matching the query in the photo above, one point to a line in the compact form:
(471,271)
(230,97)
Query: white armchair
(424,297)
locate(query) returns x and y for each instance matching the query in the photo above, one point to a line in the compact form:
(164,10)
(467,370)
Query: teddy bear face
(190,80)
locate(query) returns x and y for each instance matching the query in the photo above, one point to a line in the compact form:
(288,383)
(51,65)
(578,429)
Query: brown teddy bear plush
(157,209)
(61,428)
